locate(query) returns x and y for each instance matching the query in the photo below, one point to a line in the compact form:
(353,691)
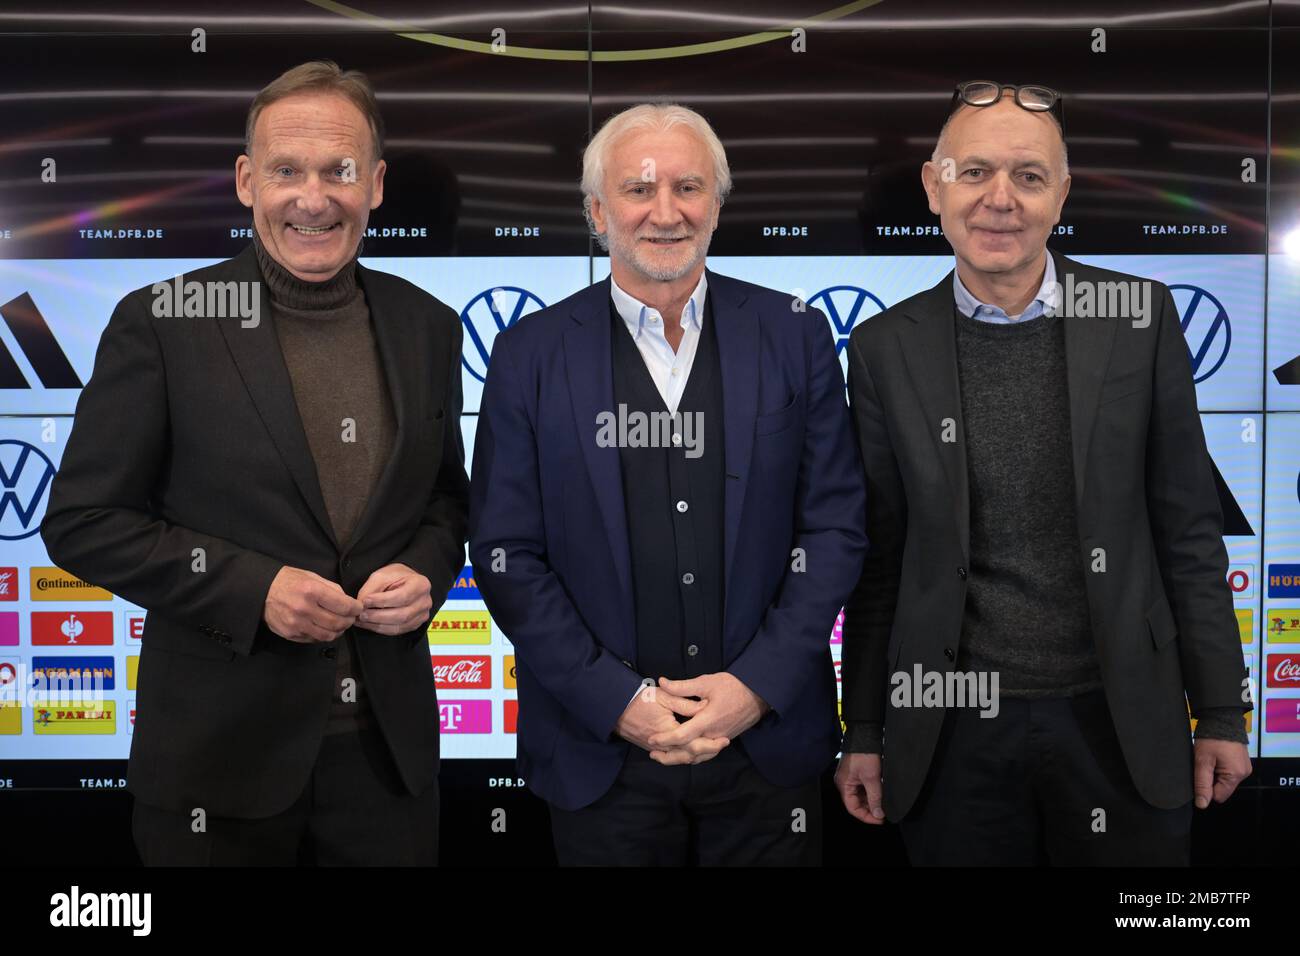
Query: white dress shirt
(669,369)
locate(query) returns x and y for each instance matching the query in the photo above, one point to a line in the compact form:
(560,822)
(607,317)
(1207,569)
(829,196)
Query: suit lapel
(1087,355)
(589,361)
(736,331)
(257,355)
(929,346)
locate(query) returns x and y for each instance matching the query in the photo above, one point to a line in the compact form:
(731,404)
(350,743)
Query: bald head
(941,148)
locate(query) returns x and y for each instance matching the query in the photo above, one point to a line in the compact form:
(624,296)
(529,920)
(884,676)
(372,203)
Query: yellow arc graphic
(598,56)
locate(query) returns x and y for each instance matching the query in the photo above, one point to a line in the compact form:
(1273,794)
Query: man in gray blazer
(1045,595)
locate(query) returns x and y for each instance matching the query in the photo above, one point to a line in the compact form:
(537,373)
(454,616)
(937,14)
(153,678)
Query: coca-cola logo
(1283,670)
(461,672)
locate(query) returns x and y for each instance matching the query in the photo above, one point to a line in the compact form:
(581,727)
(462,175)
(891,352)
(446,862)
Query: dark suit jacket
(188,436)
(1162,616)
(552,500)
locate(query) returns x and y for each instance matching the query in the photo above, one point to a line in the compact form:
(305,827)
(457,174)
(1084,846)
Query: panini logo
(79,717)
(1284,625)
(55,584)
(461,627)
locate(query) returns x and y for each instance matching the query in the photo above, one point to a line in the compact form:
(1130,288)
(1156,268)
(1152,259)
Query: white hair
(941,146)
(646,116)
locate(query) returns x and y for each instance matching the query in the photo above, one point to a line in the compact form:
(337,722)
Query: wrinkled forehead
(1003,130)
(677,151)
(314,123)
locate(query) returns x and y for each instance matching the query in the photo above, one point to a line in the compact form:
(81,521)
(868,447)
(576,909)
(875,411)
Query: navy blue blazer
(549,541)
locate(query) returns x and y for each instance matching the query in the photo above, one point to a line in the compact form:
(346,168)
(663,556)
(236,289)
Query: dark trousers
(718,813)
(354,811)
(1044,782)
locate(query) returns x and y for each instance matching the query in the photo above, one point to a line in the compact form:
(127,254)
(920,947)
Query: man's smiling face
(311,181)
(660,202)
(1006,186)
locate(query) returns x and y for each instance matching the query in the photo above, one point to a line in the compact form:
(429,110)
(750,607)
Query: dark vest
(675,509)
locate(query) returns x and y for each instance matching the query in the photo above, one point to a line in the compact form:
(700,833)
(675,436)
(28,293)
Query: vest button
(688,578)
(947,652)
(682,506)
(692,650)
(961,573)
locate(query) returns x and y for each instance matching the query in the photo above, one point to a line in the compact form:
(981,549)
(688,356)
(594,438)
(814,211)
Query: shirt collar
(634,312)
(968,305)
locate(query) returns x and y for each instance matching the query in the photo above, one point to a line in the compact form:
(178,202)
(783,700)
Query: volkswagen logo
(25,476)
(843,305)
(491,311)
(1206,328)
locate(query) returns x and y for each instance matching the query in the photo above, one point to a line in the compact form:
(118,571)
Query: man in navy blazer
(666,517)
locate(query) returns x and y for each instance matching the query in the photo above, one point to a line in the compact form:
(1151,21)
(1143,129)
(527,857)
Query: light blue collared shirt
(669,369)
(975,309)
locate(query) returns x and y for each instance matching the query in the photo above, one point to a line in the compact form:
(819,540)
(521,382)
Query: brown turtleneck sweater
(329,348)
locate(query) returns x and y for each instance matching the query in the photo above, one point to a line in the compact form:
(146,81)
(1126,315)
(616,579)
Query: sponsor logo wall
(55,310)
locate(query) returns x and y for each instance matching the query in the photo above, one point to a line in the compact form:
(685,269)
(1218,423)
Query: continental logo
(75,718)
(461,627)
(1284,625)
(55,584)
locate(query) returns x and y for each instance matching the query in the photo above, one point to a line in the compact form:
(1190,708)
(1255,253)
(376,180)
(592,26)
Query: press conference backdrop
(118,133)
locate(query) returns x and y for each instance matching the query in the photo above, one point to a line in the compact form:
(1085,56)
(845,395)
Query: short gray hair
(320,76)
(646,116)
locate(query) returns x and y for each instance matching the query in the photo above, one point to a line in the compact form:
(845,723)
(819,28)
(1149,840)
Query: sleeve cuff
(863,737)
(1221,723)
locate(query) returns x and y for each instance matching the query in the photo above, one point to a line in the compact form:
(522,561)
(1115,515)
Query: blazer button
(947,652)
(961,573)
(692,650)
(329,652)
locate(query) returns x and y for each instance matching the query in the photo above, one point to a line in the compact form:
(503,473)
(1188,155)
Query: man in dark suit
(267,458)
(666,490)
(1043,519)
